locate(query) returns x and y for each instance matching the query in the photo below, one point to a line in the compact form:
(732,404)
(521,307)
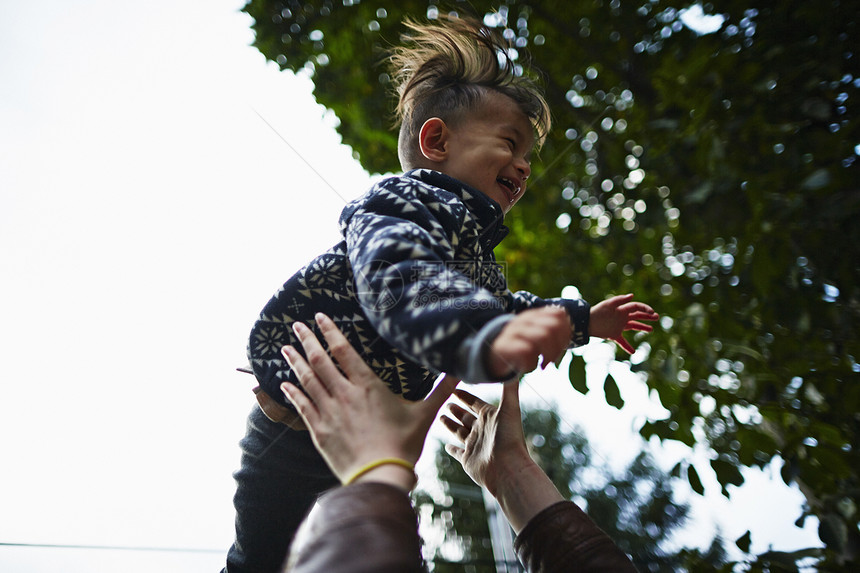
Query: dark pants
(280,478)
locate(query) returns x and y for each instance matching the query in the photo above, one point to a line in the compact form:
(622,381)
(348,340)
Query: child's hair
(447,68)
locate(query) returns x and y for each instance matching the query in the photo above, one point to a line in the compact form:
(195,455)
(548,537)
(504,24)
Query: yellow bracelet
(382,462)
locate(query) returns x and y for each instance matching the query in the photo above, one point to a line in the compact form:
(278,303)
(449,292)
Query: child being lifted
(414,284)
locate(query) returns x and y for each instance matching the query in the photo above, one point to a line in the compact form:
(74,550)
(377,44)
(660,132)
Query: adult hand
(611,317)
(353,418)
(493,445)
(494,454)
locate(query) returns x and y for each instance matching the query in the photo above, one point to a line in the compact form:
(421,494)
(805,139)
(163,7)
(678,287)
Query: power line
(112,547)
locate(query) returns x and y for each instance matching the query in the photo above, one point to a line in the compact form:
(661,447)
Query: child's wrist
(501,372)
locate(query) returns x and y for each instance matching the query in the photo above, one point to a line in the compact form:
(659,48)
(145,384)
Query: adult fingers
(511,397)
(305,407)
(310,382)
(425,411)
(460,431)
(441,392)
(475,403)
(456,452)
(318,359)
(352,363)
(464,416)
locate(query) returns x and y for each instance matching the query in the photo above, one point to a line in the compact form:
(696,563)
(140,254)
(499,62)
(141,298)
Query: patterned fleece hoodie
(414,286)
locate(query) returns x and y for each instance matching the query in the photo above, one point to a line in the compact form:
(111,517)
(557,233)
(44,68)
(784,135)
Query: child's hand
(615,315)
(538,331)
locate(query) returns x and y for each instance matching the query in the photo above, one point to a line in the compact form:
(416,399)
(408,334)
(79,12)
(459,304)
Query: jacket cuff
(580,312)
(562,537)
(474,350)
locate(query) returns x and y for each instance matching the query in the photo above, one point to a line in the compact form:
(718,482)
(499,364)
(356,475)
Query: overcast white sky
(146,214)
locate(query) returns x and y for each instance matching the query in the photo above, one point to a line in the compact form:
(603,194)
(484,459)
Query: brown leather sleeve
(563,538)
(364,527)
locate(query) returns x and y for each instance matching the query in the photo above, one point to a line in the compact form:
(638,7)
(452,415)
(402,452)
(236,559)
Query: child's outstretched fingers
(639,311)
(615,315)
(633,325)
(626,346)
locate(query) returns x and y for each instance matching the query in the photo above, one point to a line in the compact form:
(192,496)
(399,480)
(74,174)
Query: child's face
(490,149)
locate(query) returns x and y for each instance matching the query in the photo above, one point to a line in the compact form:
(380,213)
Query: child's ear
(433,139)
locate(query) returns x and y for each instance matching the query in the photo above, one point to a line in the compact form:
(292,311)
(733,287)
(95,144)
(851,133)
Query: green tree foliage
(713,173)
(635,506)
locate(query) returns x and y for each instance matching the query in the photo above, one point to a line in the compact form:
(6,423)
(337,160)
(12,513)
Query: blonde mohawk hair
(447,68)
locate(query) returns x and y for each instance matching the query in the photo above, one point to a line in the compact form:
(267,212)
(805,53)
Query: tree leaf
(576,374)
(659,428)
(613,394)
(695,481)
(833,531)
(727,474)
(743,542)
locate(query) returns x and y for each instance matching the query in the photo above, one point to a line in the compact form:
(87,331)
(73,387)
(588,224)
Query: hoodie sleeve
(578,310)
(473,353)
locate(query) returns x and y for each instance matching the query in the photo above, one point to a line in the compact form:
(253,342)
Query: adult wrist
(395,475)
(512,473)
(394,470)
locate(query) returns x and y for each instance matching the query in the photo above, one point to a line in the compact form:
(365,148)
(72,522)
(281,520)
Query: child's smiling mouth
(512,189)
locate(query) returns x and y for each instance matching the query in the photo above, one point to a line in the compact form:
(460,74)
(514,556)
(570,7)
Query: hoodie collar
(486,211)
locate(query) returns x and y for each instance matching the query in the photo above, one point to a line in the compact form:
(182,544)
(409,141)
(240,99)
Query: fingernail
(299,328)
(288,352)
(320,317)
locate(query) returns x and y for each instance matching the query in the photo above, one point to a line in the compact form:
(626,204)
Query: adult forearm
(524,492)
